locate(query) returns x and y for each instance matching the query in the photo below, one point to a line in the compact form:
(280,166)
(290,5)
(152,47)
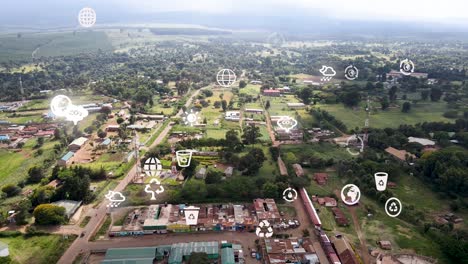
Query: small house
(228,172)
(201,174)
(271,92)
(321,178)
(385,244)
(66,159)
(77,144)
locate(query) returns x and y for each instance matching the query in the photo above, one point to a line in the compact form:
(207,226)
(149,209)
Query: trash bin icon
(184,157)
(381,181)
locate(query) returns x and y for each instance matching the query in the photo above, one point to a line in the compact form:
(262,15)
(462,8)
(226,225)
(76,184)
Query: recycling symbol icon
(264,229)
(191,217)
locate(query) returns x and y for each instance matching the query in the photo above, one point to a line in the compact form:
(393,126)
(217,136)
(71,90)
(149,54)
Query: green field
(14,166)
(51,44)
(9,163)
(321,150)
(38,249)
(421,112)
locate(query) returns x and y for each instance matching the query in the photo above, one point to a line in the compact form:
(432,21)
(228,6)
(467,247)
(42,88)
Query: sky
(433,11)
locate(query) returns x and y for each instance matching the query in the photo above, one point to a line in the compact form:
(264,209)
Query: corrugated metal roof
(227,256)
(141,255)
(68,156)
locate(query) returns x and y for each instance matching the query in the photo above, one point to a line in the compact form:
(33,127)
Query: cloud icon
(327,71)
(115,196)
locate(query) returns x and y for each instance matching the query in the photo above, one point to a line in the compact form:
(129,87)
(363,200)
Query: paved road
(98,215)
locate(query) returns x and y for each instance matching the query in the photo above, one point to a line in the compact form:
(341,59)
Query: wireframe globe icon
(87,17)
(226,77)
(152,167)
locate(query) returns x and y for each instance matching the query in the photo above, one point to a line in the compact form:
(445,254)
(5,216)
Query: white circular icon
(191,118)
(60,104)
(226,77)
(355,141)
(393,207)
(289,194)
(152,167)
(264,229)
(406,67)
(276,39)
(87,17)
(350,194)
(351,72)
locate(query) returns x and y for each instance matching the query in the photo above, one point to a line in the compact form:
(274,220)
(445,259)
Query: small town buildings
(298,170)
(340,217)
(289,250)
(309,206)
(321,178)
(232,115)
(66,159)
(327,201)
(296,105)
(106,143)
(385,244)
(55,183)
(423,141)
(112,128)
(201,174)
(271,92)
(397,75)
(4,139)
(284,90)
(344,250)
(229,171)
(77,144)
(266,209)
(254,110)
(400,155)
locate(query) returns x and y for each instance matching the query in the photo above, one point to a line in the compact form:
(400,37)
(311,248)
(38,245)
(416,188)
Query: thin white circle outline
(342,194)
(399,211)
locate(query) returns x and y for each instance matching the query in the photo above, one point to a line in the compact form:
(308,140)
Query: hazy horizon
(242,14)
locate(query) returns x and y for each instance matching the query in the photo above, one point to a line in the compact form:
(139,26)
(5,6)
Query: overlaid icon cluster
(62,106)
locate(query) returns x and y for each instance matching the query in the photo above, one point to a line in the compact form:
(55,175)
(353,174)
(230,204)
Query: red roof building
(321,178)
(340,218)
(310,208)
(271,92)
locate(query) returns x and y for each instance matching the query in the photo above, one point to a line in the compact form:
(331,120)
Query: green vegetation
(103,229)
(37,249)
(85,221)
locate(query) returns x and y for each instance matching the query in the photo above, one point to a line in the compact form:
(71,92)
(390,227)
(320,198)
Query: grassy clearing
(251,89)
(9,162)
(321,150)
(37,249)
(421,112)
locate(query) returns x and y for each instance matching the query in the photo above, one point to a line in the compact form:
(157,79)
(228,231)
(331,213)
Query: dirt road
(98,215)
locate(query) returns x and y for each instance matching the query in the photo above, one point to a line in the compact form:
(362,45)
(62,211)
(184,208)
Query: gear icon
(264,229)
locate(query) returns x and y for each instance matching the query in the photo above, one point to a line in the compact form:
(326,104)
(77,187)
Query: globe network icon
(350,194)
